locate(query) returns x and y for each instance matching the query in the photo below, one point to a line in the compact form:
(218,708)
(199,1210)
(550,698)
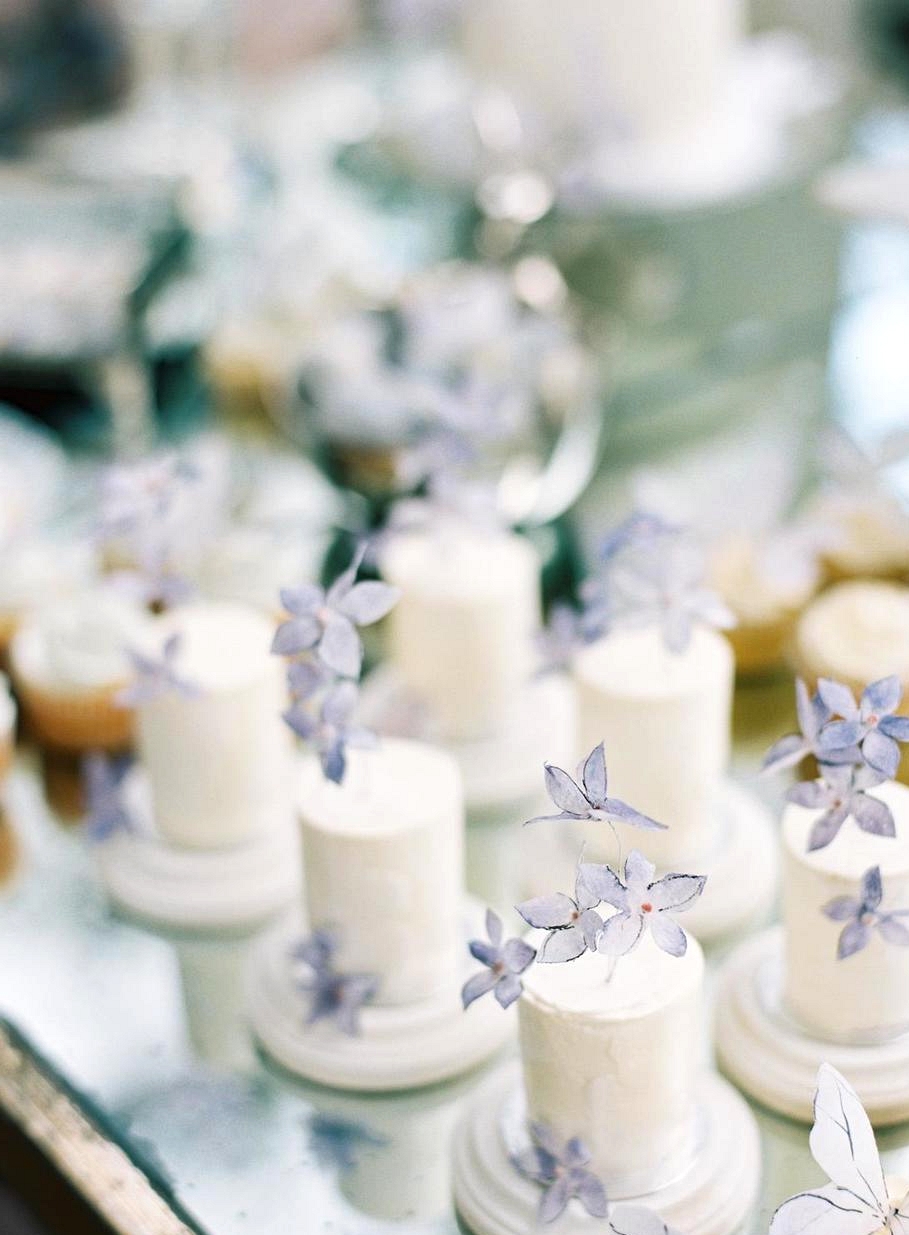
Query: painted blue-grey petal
(592,1195)
(813,794)
(340,646)
(508,989)
(838,698)
(826,1209)
(677,629)
(811,711)
(785,753)
(518,955)
(550,818)
(896,727)
(591,924)
(827,828)
(676,891)
(171,649)
(339,703)
(494,928)
(668,935)
(837,734)
(842,908)
(346,579)
(546,912)
(545,1139)
(562,945)
(882,697)
(863,777)
(302,601)
(304,678)
(881,753)
(620,934)
(476,986)
(535,1163)
(872,888)
(594,776)
(575,1153)
(605,884)
(486,953)
(334,762)
(565,793)
(296,636)
(621,812)
(554,1200)
(301,721)
(368,602)
(639,871)
(584,895)
(854,937)
(872,815)
(356,991)
(894,930)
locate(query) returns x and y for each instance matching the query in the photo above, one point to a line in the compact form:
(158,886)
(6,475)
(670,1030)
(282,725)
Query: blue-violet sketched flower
(642,902)
(636,1220)
(333,995)
(813,714)
(862,915)
(589,799)
(326,621)
(155,677)
(504,962)
(573,923)
(106,812)
(857,1200)
(563,1172)
(840,792)
(869,724)
(331,729)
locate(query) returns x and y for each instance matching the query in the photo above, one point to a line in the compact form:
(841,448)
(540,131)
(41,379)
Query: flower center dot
(646,907)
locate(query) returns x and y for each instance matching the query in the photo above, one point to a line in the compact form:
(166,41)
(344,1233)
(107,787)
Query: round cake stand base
(713,1197)
(234,888)
(741,871)
(775,1061)
(400,1046)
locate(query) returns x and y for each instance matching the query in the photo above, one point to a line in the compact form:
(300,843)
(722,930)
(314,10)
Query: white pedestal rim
(769,1057)
(714,1197)
(400,1046)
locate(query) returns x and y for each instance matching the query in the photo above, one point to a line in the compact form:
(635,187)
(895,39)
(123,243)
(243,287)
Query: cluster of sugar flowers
(855,745)
(321,640)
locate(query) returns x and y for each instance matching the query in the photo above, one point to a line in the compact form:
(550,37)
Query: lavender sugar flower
(326,621)
(862,915)
(642,902)
(813,714)
(869,725)
(504,962)
(155,677)
(333,995)
(563,1172)
(841,791)
(589,799)
(106,811)
(574,925)
(331,730)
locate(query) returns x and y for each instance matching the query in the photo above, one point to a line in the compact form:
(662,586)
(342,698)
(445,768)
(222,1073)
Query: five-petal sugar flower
(325,622)
(332,729)
(813,713)
(106,812)
(856,1201)
(869,725)
(563,1172)
(843,791)
(156,676)
(587,798)
(504,961)
(636,1220)
(333,995)
(573,924)
(642,902)
(862,915)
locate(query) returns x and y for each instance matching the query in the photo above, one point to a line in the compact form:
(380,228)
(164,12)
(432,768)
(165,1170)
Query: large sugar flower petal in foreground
(573,924)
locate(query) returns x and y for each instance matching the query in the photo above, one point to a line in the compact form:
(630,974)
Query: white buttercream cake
(855,632)
(865,995)
(616,1060)
(219,763)
(383,863)
(665,719)
(461,634)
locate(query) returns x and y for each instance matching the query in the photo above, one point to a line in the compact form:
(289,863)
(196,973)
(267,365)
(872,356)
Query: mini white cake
(617,1062)
(383,863)
(219,764)
(665,719)
(652,67)
(865,995)
(461,635)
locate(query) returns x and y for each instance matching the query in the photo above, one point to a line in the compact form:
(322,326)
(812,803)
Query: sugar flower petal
(839,734)
(620,934)
(605,884)
(676,891)
(546,912)
(842,908)
(639,872)
(896,727)
(881,753)
(894,930)
(592,1195)
(340,646)
(554,1200)
(562,945)
(872,888)
(827,828)
(636,1220)
(494,927)
(507,990)
(564,792)
(302,601)
(668,935)
(296,636)
(368,602)
(594,776)
(882,696)
(853,938)
(621,812)
(478,985)
(872,815)
(518,955)
(838,698)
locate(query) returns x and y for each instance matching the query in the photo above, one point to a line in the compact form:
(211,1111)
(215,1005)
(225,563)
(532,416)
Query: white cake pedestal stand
(398,1046)
(741,870)
(774,1060)
(199,889)
(713,1197)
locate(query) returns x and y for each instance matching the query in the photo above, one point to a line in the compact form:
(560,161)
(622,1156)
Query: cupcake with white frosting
(35,571)
(70,663)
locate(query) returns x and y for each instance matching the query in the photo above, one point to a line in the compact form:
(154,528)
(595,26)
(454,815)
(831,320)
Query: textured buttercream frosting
(856,632)
(383,862)
(616,1060)
(461,634)
(665,719)
(866,994)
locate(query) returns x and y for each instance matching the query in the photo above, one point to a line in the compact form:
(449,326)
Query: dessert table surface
(126,1056)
